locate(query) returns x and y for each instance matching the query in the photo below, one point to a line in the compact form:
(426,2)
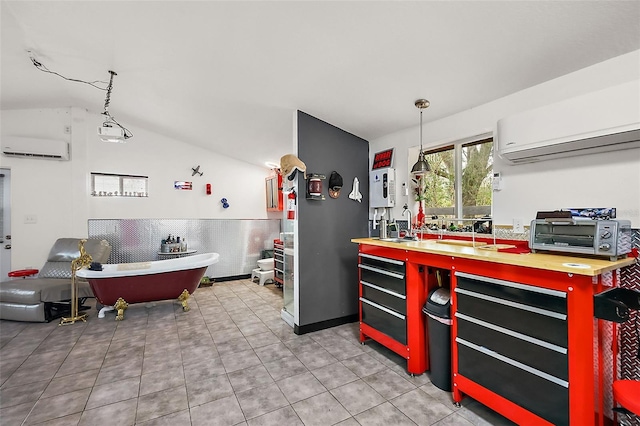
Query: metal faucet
(405,209)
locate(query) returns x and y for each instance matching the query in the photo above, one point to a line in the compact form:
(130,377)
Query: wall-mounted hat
(335,184)
(289,164)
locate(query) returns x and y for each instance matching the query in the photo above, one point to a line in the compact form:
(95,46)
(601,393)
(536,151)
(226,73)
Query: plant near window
(419,189)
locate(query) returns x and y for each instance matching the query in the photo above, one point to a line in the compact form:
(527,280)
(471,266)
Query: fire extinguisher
(291,205)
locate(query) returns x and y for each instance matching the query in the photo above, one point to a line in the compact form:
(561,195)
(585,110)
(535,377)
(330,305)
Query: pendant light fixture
(111,130)
(421,167)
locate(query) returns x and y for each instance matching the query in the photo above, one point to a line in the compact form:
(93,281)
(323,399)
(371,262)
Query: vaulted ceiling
(228,75)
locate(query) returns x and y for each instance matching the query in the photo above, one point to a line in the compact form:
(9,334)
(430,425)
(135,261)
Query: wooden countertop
(552,262)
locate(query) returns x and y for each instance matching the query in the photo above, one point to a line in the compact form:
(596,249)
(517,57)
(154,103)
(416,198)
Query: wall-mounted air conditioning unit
(14,146)
(606,120)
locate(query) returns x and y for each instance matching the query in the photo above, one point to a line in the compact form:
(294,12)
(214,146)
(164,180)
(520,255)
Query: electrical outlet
(67,130)
(518,225)
(30,218)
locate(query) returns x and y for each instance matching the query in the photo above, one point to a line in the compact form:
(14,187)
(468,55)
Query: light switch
(30,218)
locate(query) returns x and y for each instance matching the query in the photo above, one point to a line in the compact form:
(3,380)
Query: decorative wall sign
(178,184)
(383,159)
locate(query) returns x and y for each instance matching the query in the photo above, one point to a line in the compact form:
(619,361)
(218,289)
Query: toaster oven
(603,238)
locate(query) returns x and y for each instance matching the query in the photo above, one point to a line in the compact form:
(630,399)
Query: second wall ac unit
(15,146)
(606,120)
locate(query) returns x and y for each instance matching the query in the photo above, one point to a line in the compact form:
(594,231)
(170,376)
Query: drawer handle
(381,271)
(382,259)
(516,305)
(514,363)
(384,290)
(382,308)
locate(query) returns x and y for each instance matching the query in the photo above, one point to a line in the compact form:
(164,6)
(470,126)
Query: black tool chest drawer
(512,340)
(535,312)
(278,255)
(383,295)
(386,273)
(543,397)
(384,320)
(541,355)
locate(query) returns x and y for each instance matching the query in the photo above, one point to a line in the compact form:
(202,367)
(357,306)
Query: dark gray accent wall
(328,272)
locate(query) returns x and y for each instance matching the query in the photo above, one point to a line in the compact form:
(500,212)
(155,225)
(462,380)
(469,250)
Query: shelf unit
(278,259)
(514,333)
(176,253)
(541,340)
(392,293)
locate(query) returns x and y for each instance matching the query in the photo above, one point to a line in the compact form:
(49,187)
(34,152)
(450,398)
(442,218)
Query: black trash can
(438,311)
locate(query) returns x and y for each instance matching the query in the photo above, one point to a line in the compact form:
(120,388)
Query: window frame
(120,193)
(457,146)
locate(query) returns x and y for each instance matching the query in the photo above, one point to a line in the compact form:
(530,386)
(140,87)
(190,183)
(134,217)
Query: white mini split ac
(14,146)
(602,121)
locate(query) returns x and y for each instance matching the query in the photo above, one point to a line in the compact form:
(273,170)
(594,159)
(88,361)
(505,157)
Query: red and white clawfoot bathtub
(121,284)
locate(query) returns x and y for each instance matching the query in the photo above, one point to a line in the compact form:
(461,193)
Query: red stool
(22,273)
(627,393)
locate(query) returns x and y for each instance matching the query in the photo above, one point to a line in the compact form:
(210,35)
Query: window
(113,185)
(459,185)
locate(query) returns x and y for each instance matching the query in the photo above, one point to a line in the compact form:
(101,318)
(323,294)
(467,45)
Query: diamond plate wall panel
(629,332)
(238,241)
(508,233)
(603,339)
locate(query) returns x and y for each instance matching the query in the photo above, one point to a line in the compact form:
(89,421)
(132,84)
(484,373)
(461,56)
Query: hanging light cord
(421,131)
(107,100)
(43,68)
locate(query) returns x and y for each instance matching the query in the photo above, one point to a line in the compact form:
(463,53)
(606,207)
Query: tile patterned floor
(231,360)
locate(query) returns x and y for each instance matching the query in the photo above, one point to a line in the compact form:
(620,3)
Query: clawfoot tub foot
(120,305)
(183,299)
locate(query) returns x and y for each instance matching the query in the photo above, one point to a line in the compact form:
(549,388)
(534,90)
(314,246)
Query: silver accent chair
(47,296)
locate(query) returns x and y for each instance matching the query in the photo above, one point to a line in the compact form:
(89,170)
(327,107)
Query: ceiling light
(111,130)
(421,167)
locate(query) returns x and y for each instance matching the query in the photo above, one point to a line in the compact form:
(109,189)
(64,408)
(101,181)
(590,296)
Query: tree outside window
(443,190)
(477,174)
